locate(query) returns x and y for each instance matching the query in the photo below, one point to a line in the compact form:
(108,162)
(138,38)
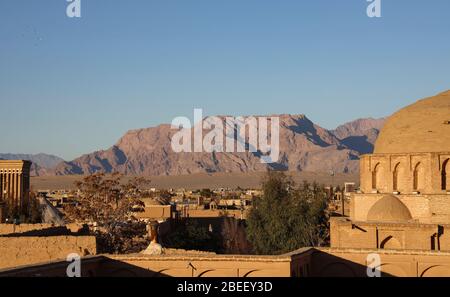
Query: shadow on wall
(319,263)
(116,268)
(92,266)
(53,231)
(328,265)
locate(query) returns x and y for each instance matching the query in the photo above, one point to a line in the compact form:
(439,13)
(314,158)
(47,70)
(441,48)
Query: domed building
(389,209)
(412,151)
(404,197)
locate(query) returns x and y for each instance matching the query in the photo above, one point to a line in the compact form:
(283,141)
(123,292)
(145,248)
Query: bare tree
(108,203)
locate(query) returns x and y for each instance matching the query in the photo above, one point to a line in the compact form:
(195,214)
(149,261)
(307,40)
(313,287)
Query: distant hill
(304,146)
(361,134)
(358,127)
(41,162)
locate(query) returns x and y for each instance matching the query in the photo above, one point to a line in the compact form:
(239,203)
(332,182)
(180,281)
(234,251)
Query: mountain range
(304,146)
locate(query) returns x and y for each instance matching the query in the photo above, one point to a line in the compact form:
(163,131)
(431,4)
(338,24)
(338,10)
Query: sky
(70,86)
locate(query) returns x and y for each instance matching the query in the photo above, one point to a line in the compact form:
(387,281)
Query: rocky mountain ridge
(304,146)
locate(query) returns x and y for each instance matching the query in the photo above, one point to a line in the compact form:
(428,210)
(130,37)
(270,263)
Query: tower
(15,182)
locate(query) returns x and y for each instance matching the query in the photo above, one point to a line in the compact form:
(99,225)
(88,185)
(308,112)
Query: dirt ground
(199,181)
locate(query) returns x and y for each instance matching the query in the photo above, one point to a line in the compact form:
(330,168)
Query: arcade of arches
(405,173)
(404,197)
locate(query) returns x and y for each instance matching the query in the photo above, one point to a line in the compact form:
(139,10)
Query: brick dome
(389,209)
(418,128)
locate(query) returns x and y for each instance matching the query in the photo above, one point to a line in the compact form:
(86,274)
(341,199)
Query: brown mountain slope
(304,146)
(361,134)
(358,127)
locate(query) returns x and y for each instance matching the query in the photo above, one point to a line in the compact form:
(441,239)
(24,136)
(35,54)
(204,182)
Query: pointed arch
(445,175)
(205,272)
(376,176)
(390,243)
(398,177)
(250,272)
(395,178)
(418,177)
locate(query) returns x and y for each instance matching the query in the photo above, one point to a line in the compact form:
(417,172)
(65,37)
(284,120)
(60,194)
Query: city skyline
(260,143)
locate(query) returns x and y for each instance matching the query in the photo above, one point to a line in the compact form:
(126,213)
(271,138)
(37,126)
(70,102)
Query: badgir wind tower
(14,184)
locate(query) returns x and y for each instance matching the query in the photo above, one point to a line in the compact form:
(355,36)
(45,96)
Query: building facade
(404,197)
(15,182)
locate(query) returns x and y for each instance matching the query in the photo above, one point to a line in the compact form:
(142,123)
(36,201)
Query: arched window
(375,176)
(445,183)
(418,177)
(395,177)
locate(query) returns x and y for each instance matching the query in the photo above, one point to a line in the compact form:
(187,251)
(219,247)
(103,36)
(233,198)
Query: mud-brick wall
(16,251)
(41,230)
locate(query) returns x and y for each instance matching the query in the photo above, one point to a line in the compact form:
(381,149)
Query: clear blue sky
(72,86)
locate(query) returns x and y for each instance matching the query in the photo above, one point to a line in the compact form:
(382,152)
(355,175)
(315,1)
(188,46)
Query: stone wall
(408,236)
(198,266)
(188,265)
(32,229)
(25,250)
(155,212)
(353,263)
(405,173)
(427,209)
(315,262)
(91,266)
(41,230)
(25,244)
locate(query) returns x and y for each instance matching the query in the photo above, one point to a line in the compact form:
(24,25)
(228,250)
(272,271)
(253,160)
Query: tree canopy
(109,203)
(287,217)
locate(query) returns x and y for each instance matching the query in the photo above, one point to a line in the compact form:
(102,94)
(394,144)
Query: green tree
(286,218)
(190,235)
(234,238)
